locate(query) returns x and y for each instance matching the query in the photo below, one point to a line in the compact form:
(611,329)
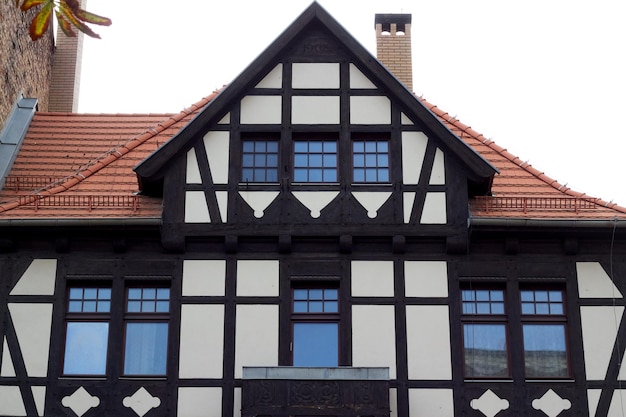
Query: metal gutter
(565,223)
(53,222)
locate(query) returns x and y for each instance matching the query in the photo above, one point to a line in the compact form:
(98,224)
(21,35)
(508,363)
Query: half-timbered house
(311,240)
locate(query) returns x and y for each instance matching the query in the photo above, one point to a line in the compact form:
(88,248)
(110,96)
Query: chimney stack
(393,45)
(65,80)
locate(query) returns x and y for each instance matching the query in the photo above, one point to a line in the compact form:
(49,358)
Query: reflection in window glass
(370,161)
(545,354)
(315,161)
(86,345)
(146,348)
(485,349)
(259,161)
(315,344)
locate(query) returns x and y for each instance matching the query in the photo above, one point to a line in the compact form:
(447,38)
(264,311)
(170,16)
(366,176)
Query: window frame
(369,139)
(330,138)
(317,317)
(94,317)
(258,139)
(145,317)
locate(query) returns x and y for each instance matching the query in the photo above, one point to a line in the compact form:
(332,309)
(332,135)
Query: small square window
(315,161)
(259,161)
(370,161)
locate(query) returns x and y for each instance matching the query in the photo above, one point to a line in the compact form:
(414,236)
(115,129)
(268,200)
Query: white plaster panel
(193,169)
(256,336)
(7,368)
(261,110)
(372,201)
(39,394)
(33,325)
(196,209)
(413,152)
(618,404)
(38,279)
(11,402)
(593,398)
(201,341)
(594,282)
(622,372)
(274,79)
(428,342)
(408,199)
(370,110)
(314,110)
(199,402)
(435,402)
(434,211)
(372,279)
(315,75)
(599,328)
(438,174)
(237,403)
(426,279)
(257,278)
(217,145)
(404,119)
(374,336)
(358,79)
(202,277)
(222,204)
(224,120)
(259,201)
(315,201)
(393,402)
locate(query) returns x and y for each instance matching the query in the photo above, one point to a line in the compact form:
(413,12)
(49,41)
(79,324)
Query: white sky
(545,79)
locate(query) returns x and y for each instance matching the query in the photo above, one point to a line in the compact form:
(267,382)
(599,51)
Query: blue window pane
(467,295)
(316,294)
(545,353)
(359,175)
(75,306)
(316,307)
(331,307)
(370,147)
(259,146)
(528,296)
(541,295)
(163,293)
(104,306)
(259,175)
(104,293)
(247,160)
(259,160)
(315,344)
(485,350)
(528,308)
(370,175)
(555,296)
(382,161)
(149,293)
(148,306)
(134,306)
(248,146)
(469,308)
(272,160)
(359,161)
(497,308)
(300,175)
(330,175)
(89,307)
(330,294)
(76,293)
(300,306)
(556,308)
(145,352)
(247,175)
(497,295)
(383,175)
(315,175)
(370,160)
(272,146)
(86,347)
(301,146)
(134,294)
(358,147)
(482,295)
(330,161)
(300,294)
(330,146)
(383,147)
(272,175)
(315,160)
(301,160)
(315,146)
(483,308)
(90,293)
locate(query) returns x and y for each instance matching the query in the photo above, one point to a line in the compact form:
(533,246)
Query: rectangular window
(544,333)
(370,161)
(146,325)
(315,161)
(87,331)
(484,333)
(315,320)
(259,161)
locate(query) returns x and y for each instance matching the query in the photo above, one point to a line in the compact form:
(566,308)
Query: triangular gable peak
(316,131)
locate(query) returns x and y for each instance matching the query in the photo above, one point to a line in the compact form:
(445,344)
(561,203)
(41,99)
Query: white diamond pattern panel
(80,401)
(594,282)
(33,326)
(599,328)
(259,201)
(413,153)
(551,404)
(274,79)
(435,402)
(359,80)
(428,342)
(199,402)
(370,110)
(372,201)
(315,201)
(373,337)
(315,75)
(38,279)
(256,336)
(313,110)
(193,169)
(196,209)
(141,402)
(201,341)
(217,145)
(489,404)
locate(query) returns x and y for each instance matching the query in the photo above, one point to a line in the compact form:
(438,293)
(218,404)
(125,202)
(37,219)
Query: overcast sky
(545,79)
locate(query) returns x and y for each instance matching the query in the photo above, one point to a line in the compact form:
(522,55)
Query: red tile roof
(80,166)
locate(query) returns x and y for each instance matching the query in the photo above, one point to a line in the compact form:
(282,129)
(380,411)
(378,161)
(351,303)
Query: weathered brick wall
(25,66)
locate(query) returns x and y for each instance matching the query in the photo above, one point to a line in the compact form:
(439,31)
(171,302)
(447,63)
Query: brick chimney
(65,82)
(393,45)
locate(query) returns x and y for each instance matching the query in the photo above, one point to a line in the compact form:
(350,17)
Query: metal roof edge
(14,132)
(566,223)
(59,222)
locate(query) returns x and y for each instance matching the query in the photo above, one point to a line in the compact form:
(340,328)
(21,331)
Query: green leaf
(28,4)
(65,26)
(88,17)
(40,23)
(68,14)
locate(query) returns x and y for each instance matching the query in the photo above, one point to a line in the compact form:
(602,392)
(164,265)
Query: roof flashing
(14,132)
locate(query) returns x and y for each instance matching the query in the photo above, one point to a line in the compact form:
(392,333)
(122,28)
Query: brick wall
(25,66)
(393,47)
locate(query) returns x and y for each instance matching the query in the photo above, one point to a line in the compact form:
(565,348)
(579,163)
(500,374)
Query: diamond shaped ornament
(489,404)
(141,402)
(551,404)
(80,401)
